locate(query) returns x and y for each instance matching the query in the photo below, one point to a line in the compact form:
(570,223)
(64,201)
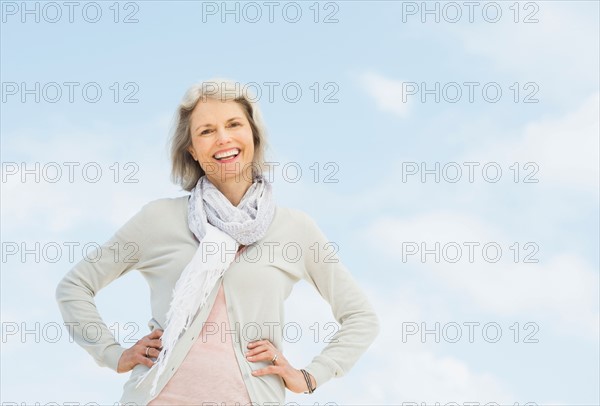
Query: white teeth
(227,154)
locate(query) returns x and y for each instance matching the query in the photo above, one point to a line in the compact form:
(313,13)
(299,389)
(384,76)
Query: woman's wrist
(311,383)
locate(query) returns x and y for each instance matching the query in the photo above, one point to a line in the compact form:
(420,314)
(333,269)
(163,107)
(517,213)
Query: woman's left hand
(264,350)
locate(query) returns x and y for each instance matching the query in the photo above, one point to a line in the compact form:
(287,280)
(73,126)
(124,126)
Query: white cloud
(418,373)
(386,92)
(563,287)
(565,148)
(62,205)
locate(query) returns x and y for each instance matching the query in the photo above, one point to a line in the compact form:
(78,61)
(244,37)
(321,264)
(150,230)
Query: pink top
(210,371)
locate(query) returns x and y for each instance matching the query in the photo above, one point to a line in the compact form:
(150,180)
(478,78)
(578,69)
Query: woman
(219,266)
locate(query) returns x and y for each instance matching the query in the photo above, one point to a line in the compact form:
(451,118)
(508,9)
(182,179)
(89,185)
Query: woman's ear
(191,151)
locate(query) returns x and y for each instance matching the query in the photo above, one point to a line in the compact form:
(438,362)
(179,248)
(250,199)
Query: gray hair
(185,171)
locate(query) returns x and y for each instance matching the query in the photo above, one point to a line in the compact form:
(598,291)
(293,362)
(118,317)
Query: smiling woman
(223,134)
(189,253)
(210,111)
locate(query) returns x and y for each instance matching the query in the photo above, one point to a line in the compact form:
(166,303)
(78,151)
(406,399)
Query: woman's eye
(235,124)
(204,132)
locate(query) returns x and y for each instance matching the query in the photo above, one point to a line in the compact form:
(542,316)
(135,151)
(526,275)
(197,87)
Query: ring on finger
(274,358)
(147,349)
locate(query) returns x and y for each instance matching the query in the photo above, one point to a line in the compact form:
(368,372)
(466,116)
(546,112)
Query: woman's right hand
(137,353)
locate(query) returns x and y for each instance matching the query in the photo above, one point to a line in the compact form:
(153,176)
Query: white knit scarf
(221,228)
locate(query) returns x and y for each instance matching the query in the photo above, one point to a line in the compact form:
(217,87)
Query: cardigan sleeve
(76,290)
(359,324)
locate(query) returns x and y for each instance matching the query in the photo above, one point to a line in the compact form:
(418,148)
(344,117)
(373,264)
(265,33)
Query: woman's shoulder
(293,217)
(291,213)
(165,205)
(163,212)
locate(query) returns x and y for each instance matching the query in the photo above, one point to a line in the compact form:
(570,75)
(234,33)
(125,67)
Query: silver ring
(274,358)
(147,349)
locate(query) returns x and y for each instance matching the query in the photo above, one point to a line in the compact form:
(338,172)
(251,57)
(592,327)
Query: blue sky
(374,126)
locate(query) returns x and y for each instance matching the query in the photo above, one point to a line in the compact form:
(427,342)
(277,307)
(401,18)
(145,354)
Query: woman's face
(220,128)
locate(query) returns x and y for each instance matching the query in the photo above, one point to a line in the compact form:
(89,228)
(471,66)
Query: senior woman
(219,266)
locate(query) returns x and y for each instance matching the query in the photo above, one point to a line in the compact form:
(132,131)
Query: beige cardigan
(256,285)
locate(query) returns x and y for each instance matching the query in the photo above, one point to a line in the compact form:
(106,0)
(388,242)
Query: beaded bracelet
(308,381)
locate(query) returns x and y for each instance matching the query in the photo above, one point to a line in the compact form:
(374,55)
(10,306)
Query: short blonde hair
(185,171)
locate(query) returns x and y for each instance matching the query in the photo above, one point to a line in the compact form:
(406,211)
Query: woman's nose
(222,135)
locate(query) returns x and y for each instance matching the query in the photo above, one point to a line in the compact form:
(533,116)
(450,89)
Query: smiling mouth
(227,156)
